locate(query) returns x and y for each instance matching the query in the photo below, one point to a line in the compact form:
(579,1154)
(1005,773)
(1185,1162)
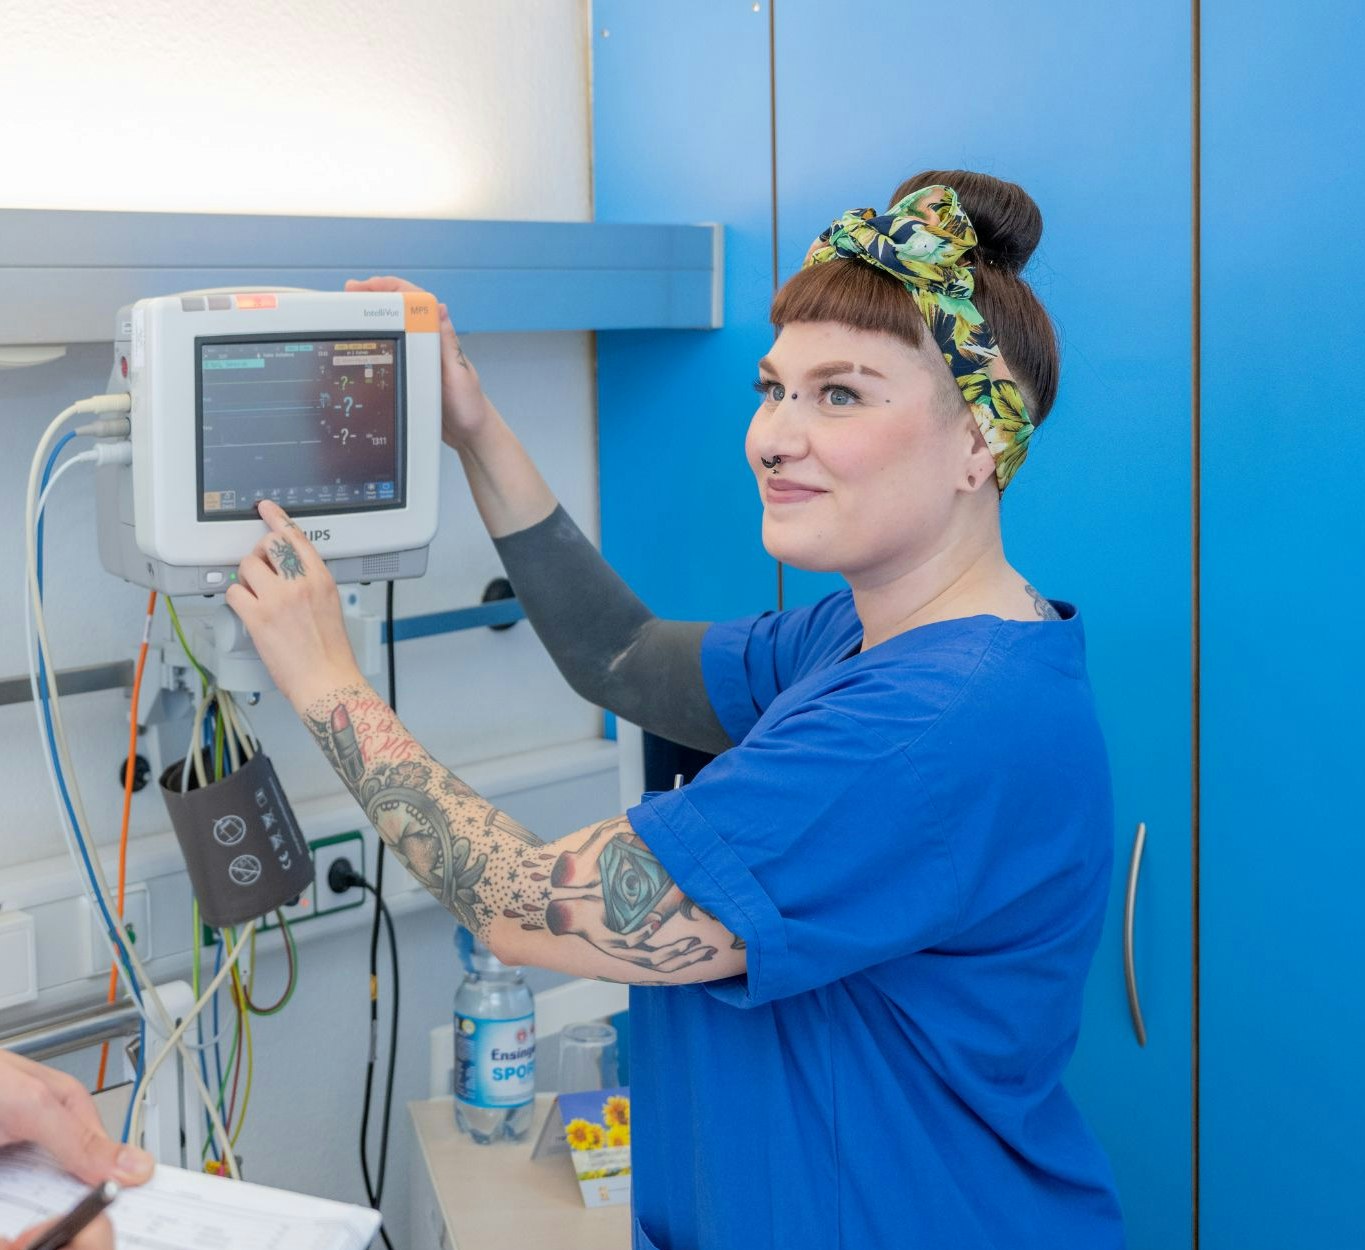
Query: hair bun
(1007,221)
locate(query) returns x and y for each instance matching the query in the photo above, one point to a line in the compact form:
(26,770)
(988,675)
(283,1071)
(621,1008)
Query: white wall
(457,108)
(410,108)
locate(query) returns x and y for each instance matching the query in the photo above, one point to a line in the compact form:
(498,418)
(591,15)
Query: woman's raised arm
(608,645)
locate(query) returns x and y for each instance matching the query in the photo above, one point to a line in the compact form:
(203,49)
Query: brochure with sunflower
(595,1128)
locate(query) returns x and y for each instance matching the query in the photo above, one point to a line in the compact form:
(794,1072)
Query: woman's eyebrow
(827,370)
(832,367)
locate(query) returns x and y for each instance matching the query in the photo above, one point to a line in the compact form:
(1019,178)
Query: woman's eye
(773,392)
(840,396)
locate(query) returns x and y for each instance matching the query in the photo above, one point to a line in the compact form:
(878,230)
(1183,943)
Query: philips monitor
(329,403)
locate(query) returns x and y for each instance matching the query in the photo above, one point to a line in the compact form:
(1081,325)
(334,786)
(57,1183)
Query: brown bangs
(853,294)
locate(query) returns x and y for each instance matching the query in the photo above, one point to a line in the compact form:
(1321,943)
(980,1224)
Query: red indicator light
(123,365)
(258,301)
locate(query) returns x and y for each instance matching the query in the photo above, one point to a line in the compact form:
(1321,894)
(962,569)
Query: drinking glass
(587,1057)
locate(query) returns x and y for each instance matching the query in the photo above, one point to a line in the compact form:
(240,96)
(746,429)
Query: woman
(873,914)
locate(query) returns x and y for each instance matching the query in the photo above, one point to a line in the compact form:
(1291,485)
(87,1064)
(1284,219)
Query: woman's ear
(978,465)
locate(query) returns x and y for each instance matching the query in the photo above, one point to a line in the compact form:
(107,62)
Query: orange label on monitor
(258,301)
(419,310)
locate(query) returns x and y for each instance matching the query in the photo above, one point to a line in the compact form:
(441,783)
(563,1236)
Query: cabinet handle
(1129,907)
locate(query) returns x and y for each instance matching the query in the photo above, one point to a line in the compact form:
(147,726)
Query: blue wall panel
(681,134)
(1283,1011)
(1087,106)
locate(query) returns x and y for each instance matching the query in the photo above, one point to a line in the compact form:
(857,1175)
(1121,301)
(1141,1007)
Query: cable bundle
(237,743)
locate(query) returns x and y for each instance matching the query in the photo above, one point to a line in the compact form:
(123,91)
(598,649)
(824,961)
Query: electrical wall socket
(326,852)
(305,908)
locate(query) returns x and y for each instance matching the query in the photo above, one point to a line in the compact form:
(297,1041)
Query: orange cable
(127,809)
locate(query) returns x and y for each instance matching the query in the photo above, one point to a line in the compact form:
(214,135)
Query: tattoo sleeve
(602,887)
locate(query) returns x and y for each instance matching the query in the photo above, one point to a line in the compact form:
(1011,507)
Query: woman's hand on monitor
(465,410)
(289,603)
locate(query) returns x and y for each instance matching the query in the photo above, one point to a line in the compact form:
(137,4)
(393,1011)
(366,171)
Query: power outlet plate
(137,924)
(326,852)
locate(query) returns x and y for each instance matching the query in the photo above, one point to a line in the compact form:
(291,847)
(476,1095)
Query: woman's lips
(776,492)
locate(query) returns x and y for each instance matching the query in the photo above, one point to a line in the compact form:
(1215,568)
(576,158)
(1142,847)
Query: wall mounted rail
(64,274)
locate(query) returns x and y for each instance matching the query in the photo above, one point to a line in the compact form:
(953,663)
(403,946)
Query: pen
(62,1232)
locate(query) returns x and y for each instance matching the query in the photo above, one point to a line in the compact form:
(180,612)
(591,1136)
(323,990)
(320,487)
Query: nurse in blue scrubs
(859,937)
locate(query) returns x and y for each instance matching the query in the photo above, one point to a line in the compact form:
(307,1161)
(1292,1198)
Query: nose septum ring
(771,464)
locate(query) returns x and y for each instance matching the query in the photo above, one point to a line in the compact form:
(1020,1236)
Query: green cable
(180,633)
(278,1007)
(194,946)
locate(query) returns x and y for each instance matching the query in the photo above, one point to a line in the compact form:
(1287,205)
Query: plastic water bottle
(495,1047)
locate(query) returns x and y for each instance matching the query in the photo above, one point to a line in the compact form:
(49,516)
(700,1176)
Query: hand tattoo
(286,559)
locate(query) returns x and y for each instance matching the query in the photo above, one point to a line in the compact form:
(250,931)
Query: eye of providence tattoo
(611,892)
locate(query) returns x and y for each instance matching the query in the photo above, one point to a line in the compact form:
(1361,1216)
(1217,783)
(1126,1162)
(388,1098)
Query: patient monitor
(329,403)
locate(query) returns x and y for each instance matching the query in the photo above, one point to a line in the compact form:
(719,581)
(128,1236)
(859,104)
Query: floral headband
(921,240)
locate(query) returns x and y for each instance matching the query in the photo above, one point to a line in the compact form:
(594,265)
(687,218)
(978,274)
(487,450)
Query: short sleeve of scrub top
(791,830)
(814,839)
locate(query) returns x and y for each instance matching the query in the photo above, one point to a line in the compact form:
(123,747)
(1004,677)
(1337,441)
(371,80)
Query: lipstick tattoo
(349,759)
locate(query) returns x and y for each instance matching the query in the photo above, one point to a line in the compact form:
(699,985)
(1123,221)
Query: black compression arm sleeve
(610,648)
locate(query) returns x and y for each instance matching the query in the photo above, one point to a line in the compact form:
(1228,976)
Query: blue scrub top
(915,844)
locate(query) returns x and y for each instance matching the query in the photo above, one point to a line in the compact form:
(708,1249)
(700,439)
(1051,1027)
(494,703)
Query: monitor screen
(314,423)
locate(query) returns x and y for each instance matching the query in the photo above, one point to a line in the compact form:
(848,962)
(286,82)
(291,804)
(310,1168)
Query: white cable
(194,750)
(251,742)
(98,888)
(140,1095)
(84,458)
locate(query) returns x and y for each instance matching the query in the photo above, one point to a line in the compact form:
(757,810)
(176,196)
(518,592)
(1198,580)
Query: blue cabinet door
(1087,107)
(1282,1104)
(681,133)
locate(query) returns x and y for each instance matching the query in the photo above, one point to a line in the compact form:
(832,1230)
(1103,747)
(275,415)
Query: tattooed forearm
(1042,606)
(608,889)
(438,828)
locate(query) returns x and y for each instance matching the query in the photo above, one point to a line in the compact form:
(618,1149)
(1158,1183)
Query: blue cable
(137,1077)
(47,474)
(115,930)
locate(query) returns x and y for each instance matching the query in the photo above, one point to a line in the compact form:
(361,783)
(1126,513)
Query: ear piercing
(771,464)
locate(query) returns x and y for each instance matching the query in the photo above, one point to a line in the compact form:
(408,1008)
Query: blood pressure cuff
(241,843)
